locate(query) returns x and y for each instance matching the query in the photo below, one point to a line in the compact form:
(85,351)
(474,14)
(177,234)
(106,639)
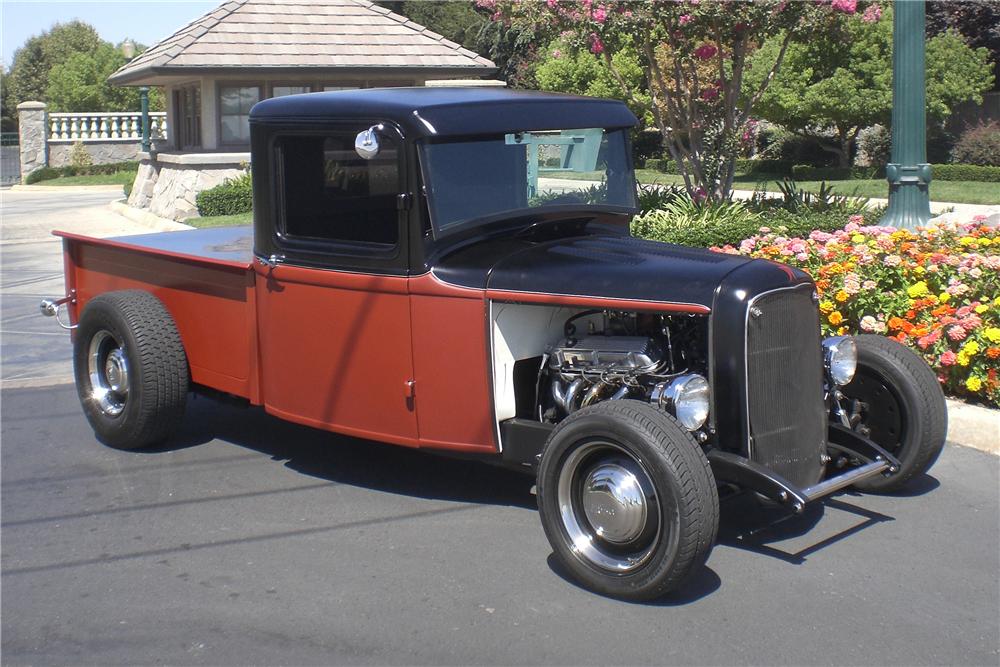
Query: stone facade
(167,185)
(34,133)
(101,152)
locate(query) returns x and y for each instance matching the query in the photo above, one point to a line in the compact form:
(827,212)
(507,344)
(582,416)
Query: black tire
(903,408)
(131,369)
(642,440)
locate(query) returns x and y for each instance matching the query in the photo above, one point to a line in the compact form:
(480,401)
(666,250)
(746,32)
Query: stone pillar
(33,129)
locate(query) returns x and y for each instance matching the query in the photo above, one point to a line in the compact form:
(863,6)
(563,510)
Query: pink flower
(705,51)
(557,54)
(956,333)
(970,323)
(856,219)
(552,3)
(601,14)
(596,45)
(948,358)
(868,323)
(926,341)
(846,6)
(685,19)
(892,260)
(979,218)
(710,94)
(872,14)
(869,285)
(700,195)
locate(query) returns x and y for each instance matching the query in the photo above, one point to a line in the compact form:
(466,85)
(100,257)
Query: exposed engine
(629,355)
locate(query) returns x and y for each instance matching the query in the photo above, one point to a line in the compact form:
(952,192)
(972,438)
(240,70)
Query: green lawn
(960,192)
(221,220)
(117,178)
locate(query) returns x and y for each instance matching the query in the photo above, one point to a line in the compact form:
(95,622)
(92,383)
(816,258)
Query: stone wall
(167,185)
(101,152)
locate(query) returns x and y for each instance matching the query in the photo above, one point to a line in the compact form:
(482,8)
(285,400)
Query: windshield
(473,181)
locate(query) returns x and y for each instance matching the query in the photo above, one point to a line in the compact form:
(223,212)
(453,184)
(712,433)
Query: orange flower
(835,318)
(993,352)
(896,323)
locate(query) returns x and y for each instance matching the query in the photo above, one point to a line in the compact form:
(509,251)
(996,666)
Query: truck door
(332,303)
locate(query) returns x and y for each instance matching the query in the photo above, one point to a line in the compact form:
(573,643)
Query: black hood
(607,266)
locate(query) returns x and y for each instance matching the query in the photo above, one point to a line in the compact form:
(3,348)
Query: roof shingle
(283,34)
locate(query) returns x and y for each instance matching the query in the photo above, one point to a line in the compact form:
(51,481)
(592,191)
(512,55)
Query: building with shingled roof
(214,69)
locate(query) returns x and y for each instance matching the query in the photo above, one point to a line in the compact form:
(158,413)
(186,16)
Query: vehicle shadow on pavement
(352,461)
(760,527)
(701,583)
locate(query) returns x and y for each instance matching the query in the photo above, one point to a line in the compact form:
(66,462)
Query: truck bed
(204,277)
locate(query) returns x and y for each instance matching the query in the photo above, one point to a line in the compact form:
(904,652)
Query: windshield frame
(516,218)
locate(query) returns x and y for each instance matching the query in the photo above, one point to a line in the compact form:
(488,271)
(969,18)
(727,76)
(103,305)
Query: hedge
(939,172)
(232,196)
(49,173)
(743,166)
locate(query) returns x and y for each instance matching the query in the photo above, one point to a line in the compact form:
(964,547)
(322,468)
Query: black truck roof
(441,112)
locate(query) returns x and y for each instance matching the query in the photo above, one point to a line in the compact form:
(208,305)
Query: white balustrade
(104,126)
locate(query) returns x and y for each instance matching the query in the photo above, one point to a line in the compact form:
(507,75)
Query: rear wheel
(131,369)
(897,402)
(627,499)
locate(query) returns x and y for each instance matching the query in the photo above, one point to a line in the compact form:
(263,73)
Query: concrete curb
(68,189)
(146,218)
(974,426)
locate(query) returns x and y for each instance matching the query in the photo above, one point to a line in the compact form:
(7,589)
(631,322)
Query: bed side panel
(212,303)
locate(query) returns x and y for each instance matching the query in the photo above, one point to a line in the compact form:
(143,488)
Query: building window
(330,194)
(187,117)
(234,112)
(281,91)
(327,89)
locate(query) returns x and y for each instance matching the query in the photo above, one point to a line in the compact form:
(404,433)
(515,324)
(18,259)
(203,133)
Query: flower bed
(936,290)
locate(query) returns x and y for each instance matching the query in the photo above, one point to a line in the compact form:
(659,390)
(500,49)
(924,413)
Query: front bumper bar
(735,469)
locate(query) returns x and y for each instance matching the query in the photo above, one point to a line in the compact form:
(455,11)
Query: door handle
(270,262)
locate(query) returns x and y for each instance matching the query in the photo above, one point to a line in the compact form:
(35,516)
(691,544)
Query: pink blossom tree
(694,53)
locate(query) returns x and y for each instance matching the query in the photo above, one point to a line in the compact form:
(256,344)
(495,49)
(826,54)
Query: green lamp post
(144,107)
(908,173)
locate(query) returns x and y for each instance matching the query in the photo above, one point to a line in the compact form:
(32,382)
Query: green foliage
(979,144)
(32,62)
(652,197)
(876,143)
(646,145)
(49,173)
(746,167)
(842,79)
(455,20)
(940,172)
(684,221)
(965,172)
(80,83)
(795,200)
(513,48)
(234,195)
(79,156)
(565,70)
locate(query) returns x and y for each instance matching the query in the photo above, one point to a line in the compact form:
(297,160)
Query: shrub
(965,172)
(804,172)
(664,165)
(48,173)
(934,289)
(646,145)
(232,196)
(795,200)
(686,222)
(653,196)
(752,167)
(979,144)
(79,156)
(874,146)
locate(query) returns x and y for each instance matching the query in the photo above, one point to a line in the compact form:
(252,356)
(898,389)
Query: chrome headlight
(687,397)
(840,356)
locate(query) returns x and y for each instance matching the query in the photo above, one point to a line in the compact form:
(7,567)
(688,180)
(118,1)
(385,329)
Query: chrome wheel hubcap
(609,507)
(108,369)
(614,503)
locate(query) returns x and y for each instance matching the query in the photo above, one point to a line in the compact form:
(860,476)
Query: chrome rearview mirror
(366,144)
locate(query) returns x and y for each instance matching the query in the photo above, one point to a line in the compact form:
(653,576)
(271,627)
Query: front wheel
(897,402)
(627,499)
(131,369)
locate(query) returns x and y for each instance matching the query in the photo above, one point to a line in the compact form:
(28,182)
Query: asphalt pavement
(247,540)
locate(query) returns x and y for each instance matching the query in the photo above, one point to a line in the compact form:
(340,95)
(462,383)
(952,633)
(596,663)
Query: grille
(785,385)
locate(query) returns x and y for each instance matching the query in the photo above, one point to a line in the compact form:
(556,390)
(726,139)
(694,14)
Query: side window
(331,194)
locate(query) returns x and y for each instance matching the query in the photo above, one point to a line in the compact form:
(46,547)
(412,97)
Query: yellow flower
(835,318)
(841,331)
(841,296)
(974,383)
(826,307)
(981,309)
(962,358)
(971,348)
(858,238)
(967,240)
(992,334)
(917,290)
(944,297)
(919,270)
(997,301)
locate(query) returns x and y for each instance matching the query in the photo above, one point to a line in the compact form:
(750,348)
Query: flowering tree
(694,54)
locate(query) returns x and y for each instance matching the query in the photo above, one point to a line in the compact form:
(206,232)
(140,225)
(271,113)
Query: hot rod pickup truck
(426,269)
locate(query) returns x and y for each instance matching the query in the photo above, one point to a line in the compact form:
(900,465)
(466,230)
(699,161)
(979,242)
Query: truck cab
(452,269)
